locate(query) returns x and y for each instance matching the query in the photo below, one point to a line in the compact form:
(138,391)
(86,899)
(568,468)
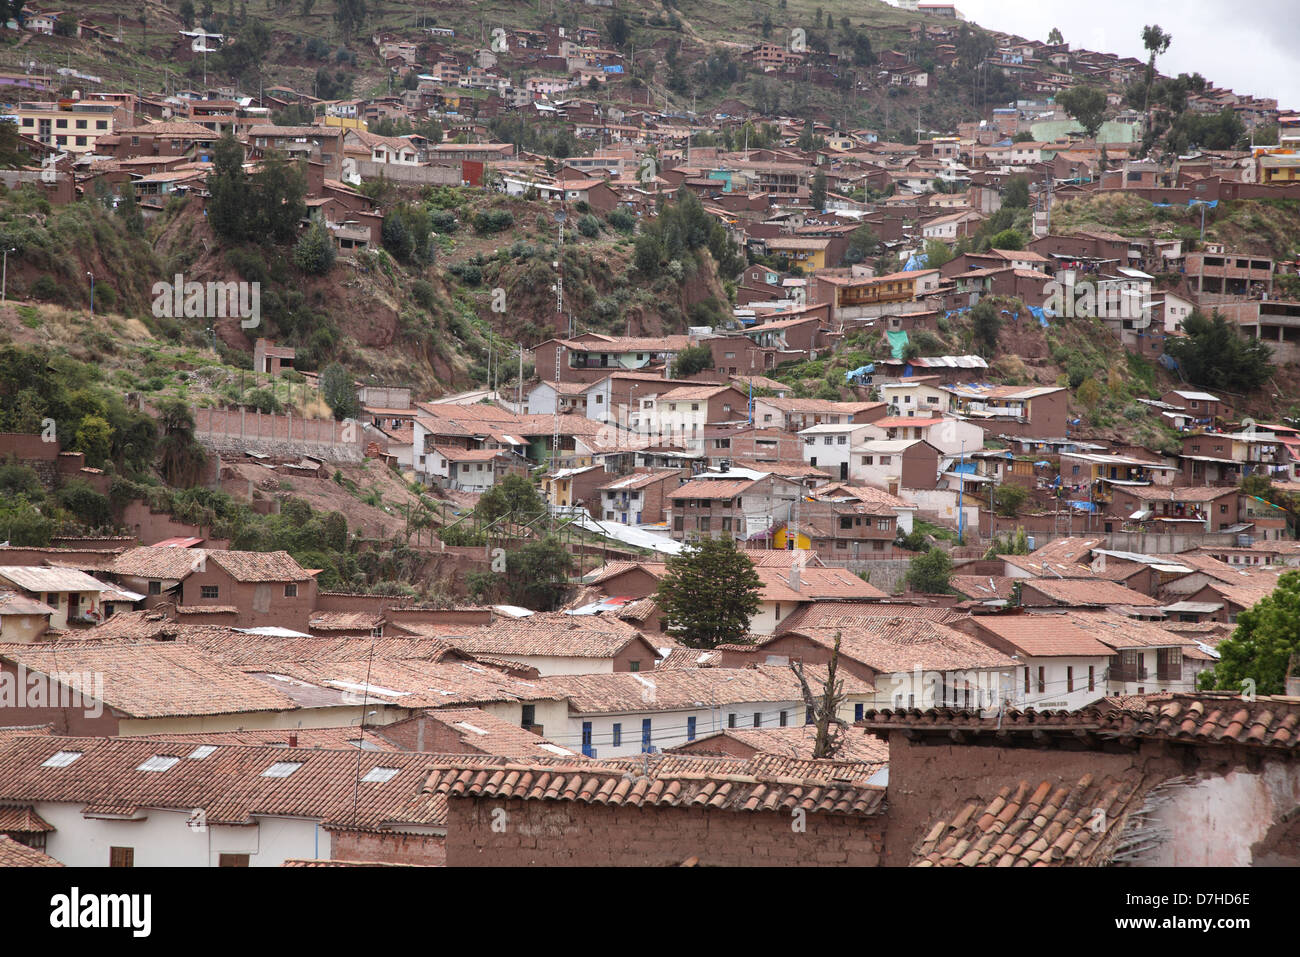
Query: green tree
(709,593)
(181,458)
(1015,192)
(986,323)
(1009,499)
(94,438)
(818,196)
(514,493)
(1156,42)
(1264,646)
(1007,239)
(537,574)
(937,253)
(1087,104)
(619,31)
(129,211)
(349,14)
(691,360)
(339,391)
(930,573)
(186,13)
(1214,354)
(1089,393)
(1054,38)
(277,199)
(228,190)
(22,524)
(863,244)
(314,252)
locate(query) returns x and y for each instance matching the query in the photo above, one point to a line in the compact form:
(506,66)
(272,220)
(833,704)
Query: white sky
(1252,47)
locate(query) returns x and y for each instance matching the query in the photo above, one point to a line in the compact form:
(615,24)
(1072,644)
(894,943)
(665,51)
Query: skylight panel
(159,762)
(201,752)
(62,759)
(282,769)
(380,775)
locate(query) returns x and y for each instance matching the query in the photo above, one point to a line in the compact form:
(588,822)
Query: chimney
(794,576)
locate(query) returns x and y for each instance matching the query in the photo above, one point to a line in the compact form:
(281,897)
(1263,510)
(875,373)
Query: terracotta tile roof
(1268,722)
(259,566)
(712,489)
(1068,550)
(984,587)
(1040,637)
(345,620)
(766,783)
(411,683)
(486,733)
(676,689)
(229,783)
(1031,824)
(893,645)
(340,738)
(161,562)
(815,584)
(1166,493)
(1082,593)
(23,820)
(18,731)
(792,742)
(13,854)
(150,680)
(690,658)
(857,614)
(553,634)
(1120,631)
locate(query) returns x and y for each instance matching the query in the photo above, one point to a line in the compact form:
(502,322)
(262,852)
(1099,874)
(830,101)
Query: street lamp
(92,293)
(4,275)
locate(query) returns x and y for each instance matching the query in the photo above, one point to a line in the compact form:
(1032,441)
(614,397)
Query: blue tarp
(963,468)
(1039,313)
(858,374)
(1083,506)
(917,261)
(1168,361)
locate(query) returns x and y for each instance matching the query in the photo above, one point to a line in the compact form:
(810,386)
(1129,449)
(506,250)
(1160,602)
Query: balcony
(1128,673)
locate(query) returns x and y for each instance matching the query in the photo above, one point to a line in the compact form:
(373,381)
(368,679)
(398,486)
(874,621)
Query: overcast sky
(1248,46)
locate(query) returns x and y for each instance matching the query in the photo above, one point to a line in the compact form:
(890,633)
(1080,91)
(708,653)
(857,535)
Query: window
(1042,679)
(121,857)
(690,728)
(60,124)
(52,599)
(645,734)
(101,124)
(155,588)
(808,715)
(233,860)
(81,124)
(617,737)
(528,718)
(857,711)
(208,591)
(586,740)
(201,752)
(634,665)
(785,718)
(291,590)
(1026,679)
(758,719)
(731,721)
(886,459)
(1069,678)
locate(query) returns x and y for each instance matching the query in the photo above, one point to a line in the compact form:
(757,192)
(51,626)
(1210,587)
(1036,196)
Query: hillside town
(560,475)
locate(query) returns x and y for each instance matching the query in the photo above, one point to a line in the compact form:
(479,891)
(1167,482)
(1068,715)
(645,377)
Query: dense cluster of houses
(166,700)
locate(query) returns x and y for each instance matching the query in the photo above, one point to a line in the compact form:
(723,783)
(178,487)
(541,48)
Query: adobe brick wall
(929,781)
(570,833)
(429,850)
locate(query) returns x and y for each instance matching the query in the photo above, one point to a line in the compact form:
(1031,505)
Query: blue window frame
(618,735)
(690,729)
(645,734)
(857,711)
(586,740)
(808,716)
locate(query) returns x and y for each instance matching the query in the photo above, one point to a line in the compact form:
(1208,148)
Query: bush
(589,226)
(443,221)
(493,221)
(314,252)
(621,220)
(423,293)
(45,288)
